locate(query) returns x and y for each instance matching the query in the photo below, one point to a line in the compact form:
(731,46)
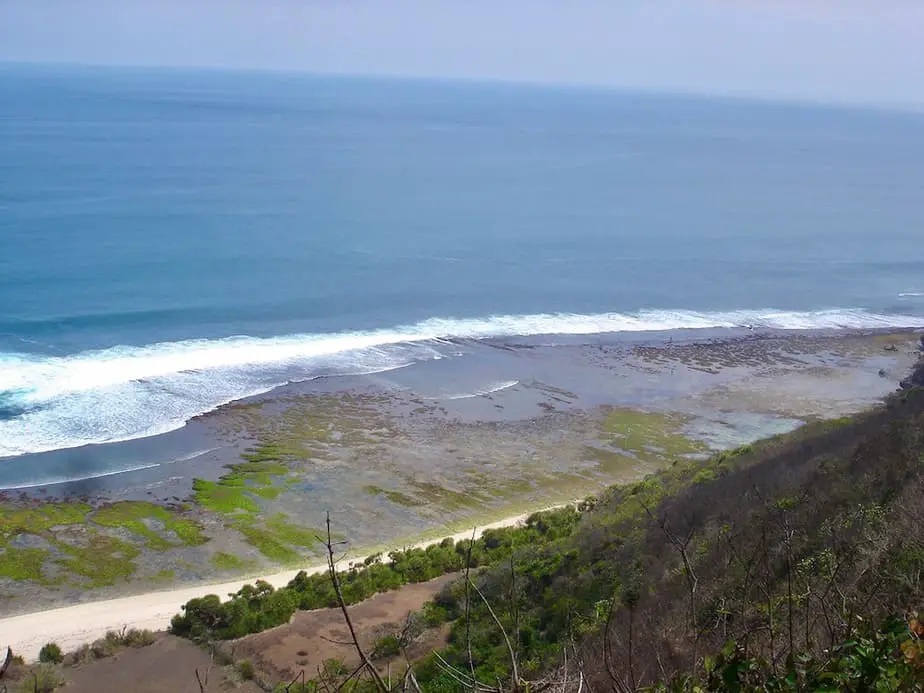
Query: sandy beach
(70,627)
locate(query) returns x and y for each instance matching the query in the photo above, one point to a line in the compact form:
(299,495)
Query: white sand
(72,626)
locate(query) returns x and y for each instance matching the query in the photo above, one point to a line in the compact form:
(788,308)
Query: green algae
(649,436)
(267,543)
(393,496)
(22,564)
(238,497)
(276,538)
(40,519)
(131,515)
(224,498)
(238,491)
(77,543)
(228,562)
(103,561)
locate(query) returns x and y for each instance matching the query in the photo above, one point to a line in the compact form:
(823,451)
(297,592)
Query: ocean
(172,240)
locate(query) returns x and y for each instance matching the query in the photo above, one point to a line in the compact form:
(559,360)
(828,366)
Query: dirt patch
(314,637)
(167,666)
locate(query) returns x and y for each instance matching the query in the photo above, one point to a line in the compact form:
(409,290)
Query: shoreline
(413,468)
(27,633)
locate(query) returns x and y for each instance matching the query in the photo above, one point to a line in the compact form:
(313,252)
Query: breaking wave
(126,392)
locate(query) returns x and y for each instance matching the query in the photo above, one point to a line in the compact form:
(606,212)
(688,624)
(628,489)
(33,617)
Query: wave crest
(130,392)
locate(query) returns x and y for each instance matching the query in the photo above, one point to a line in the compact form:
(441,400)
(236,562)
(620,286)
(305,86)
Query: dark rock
(890,347)
(916,379)
(882,373)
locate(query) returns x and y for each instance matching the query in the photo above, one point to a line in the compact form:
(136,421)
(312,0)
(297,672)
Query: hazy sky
(832,50)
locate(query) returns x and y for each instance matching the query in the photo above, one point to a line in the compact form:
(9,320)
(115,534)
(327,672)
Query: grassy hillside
(787,548)
(792,564)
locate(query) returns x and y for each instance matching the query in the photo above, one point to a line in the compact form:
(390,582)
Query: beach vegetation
(258,607)
(44,678)
(245,669)
(51,654)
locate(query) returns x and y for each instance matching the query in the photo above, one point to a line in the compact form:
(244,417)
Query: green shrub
(386,646)
(138,638)
(245,669)
(51,654)
(41,679)
(258,607)
(334,667)
(105,647)
(889,659)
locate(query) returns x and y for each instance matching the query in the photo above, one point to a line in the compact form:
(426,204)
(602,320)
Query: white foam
(906,294)
(490,390)
(128,392)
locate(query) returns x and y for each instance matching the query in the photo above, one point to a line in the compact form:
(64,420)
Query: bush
(258,607)
(42,679)
(138,638)
(245,670)
(105,647)
(81,655)
(387,646)
(51,654)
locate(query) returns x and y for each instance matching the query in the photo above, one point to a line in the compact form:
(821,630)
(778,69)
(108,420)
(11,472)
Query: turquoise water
(170,240)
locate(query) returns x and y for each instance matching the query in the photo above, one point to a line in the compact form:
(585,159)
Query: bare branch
(204,682)
(364,658)
(468,604)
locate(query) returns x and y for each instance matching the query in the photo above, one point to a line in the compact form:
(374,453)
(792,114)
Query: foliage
(888,659)
(51,654)
(41,679)
(258,607)
(245,670)
(386,646)
(788,543)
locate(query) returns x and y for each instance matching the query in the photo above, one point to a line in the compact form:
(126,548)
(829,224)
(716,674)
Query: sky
(848,51)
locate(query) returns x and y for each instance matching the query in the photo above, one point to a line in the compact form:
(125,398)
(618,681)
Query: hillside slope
(786,547)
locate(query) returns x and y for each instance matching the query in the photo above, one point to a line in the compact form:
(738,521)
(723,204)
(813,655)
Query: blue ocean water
(174,240)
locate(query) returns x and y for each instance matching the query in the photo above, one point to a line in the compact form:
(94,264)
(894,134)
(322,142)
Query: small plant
(245,670)
(41,679)
(138,638)
(334,667)
(387,646)
(105,647)
(51,654)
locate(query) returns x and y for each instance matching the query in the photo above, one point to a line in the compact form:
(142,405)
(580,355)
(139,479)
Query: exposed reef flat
(506,427)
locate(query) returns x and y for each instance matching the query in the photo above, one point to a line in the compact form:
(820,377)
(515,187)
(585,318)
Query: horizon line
(905,107)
